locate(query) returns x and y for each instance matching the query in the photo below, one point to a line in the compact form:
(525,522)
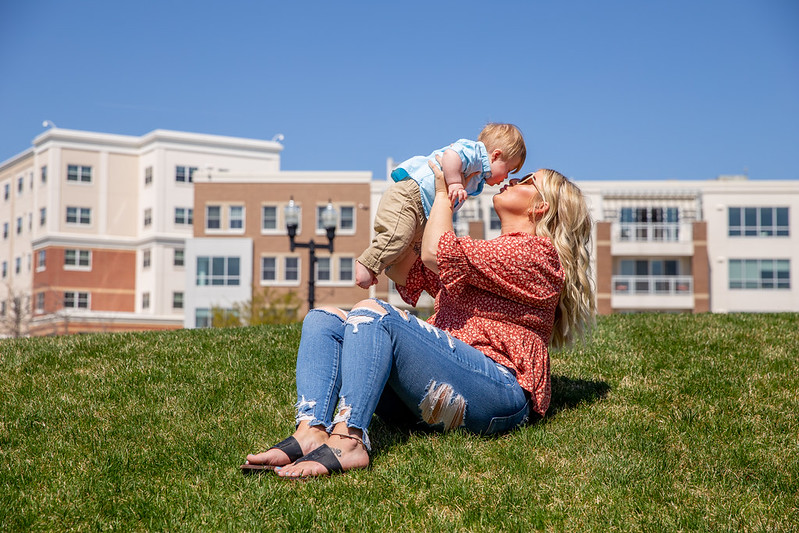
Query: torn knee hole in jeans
(442,405)
(355,319)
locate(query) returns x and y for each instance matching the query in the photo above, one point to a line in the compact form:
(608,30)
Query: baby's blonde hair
(567,223)
(505,137)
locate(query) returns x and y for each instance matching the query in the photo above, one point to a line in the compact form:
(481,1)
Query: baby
(405,206)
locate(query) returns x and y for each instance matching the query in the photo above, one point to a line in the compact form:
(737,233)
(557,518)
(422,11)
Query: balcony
(652,238)
(652,292)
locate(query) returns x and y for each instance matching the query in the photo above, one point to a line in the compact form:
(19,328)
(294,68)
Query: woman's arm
(438,223)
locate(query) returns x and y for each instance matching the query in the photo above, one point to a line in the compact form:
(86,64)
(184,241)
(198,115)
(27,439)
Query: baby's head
(506,150)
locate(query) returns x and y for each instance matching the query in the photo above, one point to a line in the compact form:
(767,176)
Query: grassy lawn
(662,422)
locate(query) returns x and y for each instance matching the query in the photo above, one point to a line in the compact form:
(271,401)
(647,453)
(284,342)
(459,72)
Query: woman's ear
(539,210)
(496,154)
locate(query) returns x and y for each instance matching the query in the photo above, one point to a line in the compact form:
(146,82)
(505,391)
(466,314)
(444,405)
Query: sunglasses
(529,179)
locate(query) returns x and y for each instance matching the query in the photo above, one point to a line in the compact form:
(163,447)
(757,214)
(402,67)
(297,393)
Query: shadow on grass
(568,393)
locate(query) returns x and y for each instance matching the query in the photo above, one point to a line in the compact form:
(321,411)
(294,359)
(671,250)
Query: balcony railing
(665,285)
(649,231)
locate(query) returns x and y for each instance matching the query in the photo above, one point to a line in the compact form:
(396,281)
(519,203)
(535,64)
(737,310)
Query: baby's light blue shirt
(474,158)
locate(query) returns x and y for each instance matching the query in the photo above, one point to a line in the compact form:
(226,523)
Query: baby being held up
(405,206)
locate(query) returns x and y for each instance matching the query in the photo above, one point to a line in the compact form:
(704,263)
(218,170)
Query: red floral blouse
(499,296)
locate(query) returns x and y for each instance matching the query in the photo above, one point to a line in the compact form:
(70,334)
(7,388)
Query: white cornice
(16,159)
(105,242)
(290,176)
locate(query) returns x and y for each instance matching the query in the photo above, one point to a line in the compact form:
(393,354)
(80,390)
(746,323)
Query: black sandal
(325,456)
(289,446)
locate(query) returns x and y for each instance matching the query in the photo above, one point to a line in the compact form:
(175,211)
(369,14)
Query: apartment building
(95,225)
(241,242)
(722,245)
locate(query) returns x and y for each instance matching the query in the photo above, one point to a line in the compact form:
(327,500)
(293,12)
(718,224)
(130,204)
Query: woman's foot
(348,448)
(309,438)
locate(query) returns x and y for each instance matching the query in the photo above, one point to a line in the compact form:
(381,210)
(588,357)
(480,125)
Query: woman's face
(519,195)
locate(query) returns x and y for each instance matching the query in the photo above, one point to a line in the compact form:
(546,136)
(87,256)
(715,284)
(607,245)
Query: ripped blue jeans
(403,368)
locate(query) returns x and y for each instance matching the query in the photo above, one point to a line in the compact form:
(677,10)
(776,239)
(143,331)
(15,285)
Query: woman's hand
(438,222)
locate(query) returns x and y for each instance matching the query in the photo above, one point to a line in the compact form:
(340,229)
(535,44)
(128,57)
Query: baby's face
(500,168)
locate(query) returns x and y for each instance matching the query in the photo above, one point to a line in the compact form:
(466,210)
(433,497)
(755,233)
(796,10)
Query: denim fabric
(349,364)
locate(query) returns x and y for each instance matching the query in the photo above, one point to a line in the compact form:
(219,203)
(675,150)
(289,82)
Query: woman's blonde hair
(567,223)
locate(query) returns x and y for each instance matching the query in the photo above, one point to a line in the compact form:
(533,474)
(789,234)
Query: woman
(480,362)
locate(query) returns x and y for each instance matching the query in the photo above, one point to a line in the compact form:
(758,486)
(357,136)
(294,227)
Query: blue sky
(611,89)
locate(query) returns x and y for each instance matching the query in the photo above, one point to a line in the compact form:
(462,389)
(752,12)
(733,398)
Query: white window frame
(320,230)
(281,267)
(181,253)
(44,174)
(212,275)
(41,260)
(178,299)
(79,256)
(334,262)
(756,283)
(42,216)
(39,302)
(242,219)
(184,216)
(77,297)
(148,217)
(758,229)
(146,258)
(148,176)
(145,300)
(79,215)
(208,208)
(82,174)
(277,230)
(184,174)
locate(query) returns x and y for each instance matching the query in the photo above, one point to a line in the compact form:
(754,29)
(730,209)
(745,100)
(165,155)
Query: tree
(265,307)
(14,322)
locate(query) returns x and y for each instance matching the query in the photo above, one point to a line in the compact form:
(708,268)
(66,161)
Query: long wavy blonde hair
(567,223)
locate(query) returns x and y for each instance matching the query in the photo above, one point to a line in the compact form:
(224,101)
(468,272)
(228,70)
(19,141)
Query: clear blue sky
(611,89)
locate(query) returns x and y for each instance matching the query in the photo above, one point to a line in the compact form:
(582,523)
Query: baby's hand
(364,277)
(457,194)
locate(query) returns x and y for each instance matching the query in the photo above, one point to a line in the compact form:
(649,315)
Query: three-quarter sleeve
(419,279)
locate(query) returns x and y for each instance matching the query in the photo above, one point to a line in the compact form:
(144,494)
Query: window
(42,216)
(76,300)
(758,222)
(145,300)
(40,302)
(291,271)
(202,318)
(493,220)
(346,218)
(346,221)
(5,269)
(30,262)
(268,269)
(19,225)
(7,191)
(79,215)
(17,265)
(323,269)
(177,300)
(269,217)
(148,217)
(79,173)
(345,269)
(179,257)
(44,174)
(41,260)
(649,224)
(77,259)
(236,217)
(30,221)
(184,215)
(148,176)
(213,217)
(20,184)
(760,273)
(5,230)
(146,258)
(185,174)
(218,271)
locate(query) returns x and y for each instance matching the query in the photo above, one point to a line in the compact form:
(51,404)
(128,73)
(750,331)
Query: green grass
(662,422)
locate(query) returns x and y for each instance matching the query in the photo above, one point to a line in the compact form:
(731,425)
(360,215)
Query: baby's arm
(451,166)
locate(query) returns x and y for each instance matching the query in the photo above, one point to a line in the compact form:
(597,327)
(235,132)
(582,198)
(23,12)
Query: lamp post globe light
(329,219)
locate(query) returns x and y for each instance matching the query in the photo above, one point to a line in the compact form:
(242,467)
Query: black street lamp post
(329,222)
